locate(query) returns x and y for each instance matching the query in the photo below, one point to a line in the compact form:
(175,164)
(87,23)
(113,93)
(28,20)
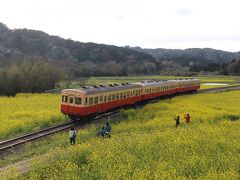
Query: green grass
(146,145)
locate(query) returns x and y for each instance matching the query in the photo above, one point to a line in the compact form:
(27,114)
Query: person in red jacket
(187,118)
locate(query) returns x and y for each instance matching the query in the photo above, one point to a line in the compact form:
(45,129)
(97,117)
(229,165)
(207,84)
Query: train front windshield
(64,99)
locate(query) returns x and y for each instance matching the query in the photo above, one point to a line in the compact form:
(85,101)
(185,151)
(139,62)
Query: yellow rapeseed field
(28,112)
(147,145)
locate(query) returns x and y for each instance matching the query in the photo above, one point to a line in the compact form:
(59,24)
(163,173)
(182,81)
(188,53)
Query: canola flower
(146,144)
(28,112)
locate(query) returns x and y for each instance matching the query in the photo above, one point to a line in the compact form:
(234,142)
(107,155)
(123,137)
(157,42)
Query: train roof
(104,88)
(147,83)
(184,80)
(125,86)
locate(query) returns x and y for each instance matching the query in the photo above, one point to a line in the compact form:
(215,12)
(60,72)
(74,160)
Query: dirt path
(20,167)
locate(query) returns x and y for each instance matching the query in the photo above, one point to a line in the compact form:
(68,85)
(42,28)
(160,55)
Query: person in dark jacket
(72,135)
(108,129)
(103,132)
(177,119)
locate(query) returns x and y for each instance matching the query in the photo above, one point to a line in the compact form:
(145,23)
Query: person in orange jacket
(187,118)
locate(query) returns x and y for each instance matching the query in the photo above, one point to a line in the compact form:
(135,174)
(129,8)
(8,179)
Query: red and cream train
(87,101)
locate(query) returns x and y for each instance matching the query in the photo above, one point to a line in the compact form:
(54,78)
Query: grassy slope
(147,144)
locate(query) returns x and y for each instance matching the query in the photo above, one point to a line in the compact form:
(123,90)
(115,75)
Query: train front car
(87,101)
(72,103)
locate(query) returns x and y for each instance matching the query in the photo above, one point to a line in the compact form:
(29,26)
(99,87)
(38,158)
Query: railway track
(7,144)
(13,142)
(213,90)
(10,143)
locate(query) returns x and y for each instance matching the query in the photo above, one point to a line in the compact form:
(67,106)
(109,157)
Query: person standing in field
(187,118)
(108,129)
(177,119)
(72,135)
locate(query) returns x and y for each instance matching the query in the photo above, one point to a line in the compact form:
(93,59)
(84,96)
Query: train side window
(113,97)
(86,101)
(121,95)
(78,101)
(101,98)
(71,100)
(105,98)
(125,95)
(109,97)
(63,98)
(117,96)
(96,100)
(130,94)
(90,101)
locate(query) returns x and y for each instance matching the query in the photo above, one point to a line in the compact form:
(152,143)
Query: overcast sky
(146,23)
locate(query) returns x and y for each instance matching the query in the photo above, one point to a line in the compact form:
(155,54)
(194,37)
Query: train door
(71,108)
(101,99)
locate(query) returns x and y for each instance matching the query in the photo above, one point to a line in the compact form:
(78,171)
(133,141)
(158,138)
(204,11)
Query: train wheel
(74,118)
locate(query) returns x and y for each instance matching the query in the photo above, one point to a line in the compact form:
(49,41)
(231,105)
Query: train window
(109,97)
(117,96)
(125,95)
(95,100)
(130,94)
(64,98)
(101,98)
(90,101)
(105,98)
(86,101)
(71,100)
(113,97)
(121,95)
(78,100)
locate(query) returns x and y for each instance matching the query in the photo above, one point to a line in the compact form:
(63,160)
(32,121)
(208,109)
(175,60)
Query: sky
(173,24)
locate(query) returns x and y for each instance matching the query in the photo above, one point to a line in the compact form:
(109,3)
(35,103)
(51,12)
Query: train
(88,101)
